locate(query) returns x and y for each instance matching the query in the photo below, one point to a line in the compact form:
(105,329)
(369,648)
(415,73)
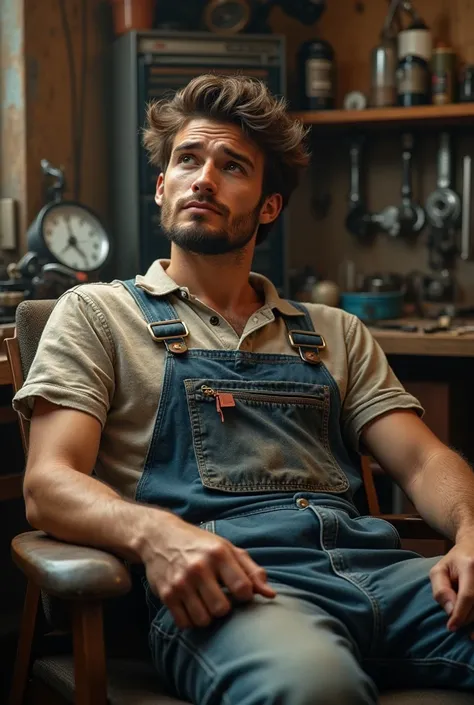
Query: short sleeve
(372,387)
(74,363)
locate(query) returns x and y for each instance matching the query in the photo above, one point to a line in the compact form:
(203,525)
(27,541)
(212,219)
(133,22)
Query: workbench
(443,344)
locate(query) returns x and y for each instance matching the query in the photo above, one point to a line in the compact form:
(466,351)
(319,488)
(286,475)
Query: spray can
(383,66)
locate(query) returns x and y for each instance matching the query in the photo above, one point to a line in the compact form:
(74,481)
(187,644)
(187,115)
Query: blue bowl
(373,307)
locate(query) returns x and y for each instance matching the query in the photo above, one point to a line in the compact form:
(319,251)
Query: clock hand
(73,241)
(81,252)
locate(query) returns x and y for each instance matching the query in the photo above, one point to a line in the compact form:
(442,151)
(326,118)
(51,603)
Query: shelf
(423,115)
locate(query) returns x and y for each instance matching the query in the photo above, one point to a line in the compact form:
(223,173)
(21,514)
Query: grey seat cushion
(129,682)
(136,683)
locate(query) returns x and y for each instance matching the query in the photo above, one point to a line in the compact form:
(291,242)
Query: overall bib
(249,446)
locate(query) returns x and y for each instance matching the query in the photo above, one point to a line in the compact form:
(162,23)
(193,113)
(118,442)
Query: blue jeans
(347,620)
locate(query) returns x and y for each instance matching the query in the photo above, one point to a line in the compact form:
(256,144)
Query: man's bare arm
(186,566)
(63,499)
(436,479)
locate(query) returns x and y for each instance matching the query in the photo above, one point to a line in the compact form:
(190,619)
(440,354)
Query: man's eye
(233,166)
(186,159)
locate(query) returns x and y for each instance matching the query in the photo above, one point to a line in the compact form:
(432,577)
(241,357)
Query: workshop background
(381,225)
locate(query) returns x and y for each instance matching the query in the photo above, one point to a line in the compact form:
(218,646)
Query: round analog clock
(71,234)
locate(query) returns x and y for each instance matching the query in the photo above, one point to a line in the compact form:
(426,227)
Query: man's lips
(202,206)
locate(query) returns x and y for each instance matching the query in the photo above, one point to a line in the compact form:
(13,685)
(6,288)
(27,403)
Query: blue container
(370,306)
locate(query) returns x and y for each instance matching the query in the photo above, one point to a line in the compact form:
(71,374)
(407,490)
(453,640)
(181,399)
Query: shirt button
(255,319)
(214,321)
(184,294)
(302,502)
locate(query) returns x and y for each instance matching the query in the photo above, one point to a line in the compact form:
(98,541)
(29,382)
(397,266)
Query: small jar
(443,75)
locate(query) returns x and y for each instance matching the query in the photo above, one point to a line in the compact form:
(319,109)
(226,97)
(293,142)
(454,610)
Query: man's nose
(205,181)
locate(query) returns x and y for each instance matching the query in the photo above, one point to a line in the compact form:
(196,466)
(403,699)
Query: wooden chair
(85,579)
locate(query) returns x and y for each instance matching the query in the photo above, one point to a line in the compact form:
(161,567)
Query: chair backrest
(31,319)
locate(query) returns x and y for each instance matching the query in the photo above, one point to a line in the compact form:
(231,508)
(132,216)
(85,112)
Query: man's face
(211,195)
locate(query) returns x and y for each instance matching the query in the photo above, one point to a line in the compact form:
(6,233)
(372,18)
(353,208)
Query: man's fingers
(235,578)
(196,609)
(443,591)
(256,574)
(179,614)
(212,595)
(465,600)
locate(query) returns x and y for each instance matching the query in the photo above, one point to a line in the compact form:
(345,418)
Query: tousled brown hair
(246,102)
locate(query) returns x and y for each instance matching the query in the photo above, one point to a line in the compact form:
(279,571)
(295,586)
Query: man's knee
(323,676)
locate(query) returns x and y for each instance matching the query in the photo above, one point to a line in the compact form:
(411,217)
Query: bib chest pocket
(262,436)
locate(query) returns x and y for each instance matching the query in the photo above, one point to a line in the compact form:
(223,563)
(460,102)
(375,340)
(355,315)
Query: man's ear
(271,209)
(160,187)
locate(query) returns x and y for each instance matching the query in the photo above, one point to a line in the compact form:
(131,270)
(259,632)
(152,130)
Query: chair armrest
(412,526)
(69,571)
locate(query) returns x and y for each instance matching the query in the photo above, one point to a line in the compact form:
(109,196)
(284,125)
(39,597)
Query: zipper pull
(224,400)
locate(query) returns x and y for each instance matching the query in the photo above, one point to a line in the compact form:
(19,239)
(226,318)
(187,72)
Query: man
(223,425)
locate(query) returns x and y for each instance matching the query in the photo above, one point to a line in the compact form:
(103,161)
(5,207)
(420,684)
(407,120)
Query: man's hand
(188,568)
(452,580)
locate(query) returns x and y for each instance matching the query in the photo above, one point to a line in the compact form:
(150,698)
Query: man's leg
(417,649)
(283,651)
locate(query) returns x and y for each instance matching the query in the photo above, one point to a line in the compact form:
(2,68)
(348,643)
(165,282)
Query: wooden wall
(352,27)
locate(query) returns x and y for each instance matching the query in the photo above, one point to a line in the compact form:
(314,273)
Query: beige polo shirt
(96,355)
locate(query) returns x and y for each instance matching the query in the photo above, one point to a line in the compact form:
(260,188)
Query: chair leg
(25,641)
(89,654)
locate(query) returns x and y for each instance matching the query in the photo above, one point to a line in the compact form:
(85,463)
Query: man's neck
(221,281)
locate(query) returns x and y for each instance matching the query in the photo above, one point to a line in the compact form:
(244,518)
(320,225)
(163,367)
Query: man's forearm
(443,493)
(77,508)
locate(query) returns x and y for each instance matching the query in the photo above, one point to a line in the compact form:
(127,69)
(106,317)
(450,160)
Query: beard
(198,237)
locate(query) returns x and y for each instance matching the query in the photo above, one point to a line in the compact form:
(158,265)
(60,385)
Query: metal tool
(442,325)
(358,221)
(443,205)
(408,218)
(466,207)
(442,247)
(462,330)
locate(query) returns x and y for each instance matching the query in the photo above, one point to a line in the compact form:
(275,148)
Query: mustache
(183,202)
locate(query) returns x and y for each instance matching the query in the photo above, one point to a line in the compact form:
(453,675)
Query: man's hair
(242,101)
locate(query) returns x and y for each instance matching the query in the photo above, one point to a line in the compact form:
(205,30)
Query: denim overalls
(249,446)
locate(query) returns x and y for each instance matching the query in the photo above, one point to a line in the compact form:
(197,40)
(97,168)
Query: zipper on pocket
(223,399)
(227,399)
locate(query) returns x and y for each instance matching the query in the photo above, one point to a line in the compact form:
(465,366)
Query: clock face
(75,237)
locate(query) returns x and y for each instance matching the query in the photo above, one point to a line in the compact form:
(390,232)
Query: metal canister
(443,75)
(383,66)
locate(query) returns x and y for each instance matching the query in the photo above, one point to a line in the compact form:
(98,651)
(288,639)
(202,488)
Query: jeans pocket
(379,532)
(261,436)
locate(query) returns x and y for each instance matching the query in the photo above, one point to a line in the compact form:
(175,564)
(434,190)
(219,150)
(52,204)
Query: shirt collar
(158,283)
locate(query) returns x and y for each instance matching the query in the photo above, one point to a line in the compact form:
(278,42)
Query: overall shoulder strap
(163,323)
(302,335)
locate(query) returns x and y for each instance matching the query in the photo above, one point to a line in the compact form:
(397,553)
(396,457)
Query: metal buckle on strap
(161,338)
(319,346)
(309,352)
